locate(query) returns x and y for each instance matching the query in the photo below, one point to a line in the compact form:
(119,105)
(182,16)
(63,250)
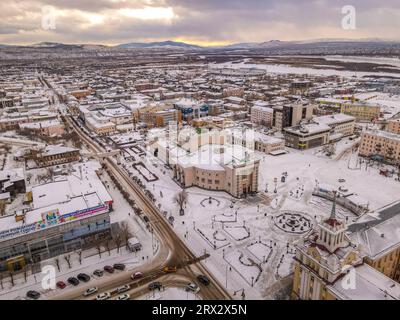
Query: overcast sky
(204,22)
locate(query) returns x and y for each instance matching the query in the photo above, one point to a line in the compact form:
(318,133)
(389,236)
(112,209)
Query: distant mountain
(255,45)
(166,44)
(56,45)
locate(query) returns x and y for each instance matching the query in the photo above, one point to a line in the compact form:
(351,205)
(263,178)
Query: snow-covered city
(175,171)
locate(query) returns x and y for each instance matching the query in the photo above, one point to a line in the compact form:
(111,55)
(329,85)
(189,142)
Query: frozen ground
(286,69)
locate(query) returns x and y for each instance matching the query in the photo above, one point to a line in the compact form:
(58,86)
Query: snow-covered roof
(379,239)
(57,149)
(369,284)
(66,187)
(334,119)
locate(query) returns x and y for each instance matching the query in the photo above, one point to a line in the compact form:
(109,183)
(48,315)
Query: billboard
(51,218)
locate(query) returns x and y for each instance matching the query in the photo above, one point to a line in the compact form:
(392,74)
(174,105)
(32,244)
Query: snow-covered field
(286,69)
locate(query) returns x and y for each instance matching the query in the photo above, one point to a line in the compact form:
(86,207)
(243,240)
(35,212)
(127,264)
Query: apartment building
(262,115)
(53,155)
(381,145)
(362,111)
(291,115)
(380,245)
(44,128)
(393,125)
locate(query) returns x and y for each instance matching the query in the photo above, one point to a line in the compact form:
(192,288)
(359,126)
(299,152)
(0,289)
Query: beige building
(380,243)
(393,125)
(208,160)
(380,143)
(230,168)
(268,144)
(53,155)
(262,115)
(100,127)
(320,131)
(329,266)
(363,111)
(44,128)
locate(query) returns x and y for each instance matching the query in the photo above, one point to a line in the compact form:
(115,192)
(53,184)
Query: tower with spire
(322,258)
(331,233)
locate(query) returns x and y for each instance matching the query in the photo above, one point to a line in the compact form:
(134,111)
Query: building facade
(328,266)
(380,145)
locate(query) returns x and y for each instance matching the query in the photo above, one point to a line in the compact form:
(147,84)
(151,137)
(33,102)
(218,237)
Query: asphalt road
(173,251)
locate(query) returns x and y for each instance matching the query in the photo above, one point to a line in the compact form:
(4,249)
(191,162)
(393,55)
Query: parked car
(83,277)
(125,296)
(33,294)
(119,266)
(74,281)
(90,291)
(103,296)
(155,285)
(134,245)
(123,288)
(203,280)
(109,269)
(192,287)
(169,269)
(98,273)
(61,285)
(136,275)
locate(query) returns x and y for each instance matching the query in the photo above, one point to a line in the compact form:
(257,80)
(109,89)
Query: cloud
(204,21)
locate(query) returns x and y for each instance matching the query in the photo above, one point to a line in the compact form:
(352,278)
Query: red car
(61,284)
(109,269)
(136,275)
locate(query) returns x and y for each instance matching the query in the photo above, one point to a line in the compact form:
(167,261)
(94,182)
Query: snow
(171,293)
(214,227)
(286,69)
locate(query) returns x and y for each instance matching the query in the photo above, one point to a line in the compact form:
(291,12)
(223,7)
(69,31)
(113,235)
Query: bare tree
(25,273)
(57,262)
(107,246)
(118,241)
(12,279)
(2,208)
(180,199)
(125,232)
(98,248)
(80,256)
(68,260)
(1,281)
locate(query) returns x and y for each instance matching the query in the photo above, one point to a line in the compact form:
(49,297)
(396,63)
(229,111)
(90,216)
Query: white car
(103,296)
(90,291)
(192,287)
(123,288)
(125,296)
